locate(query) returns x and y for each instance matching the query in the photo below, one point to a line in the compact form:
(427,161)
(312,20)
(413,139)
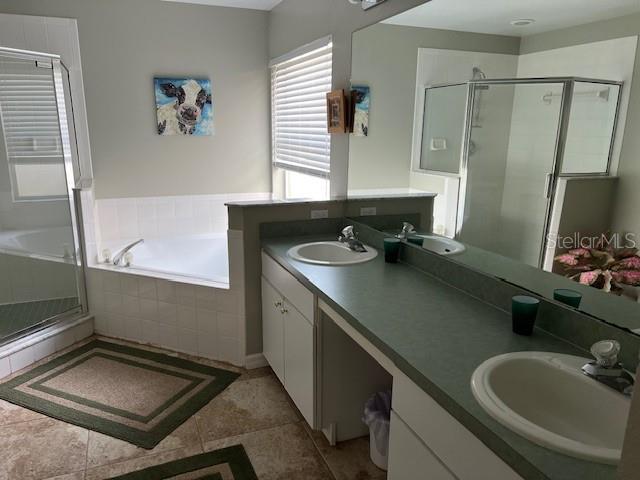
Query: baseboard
(255,360)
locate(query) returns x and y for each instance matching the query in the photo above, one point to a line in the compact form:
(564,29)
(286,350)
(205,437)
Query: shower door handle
(548,185)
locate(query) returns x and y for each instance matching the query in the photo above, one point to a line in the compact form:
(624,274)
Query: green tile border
(144,439)
(235,456)
(194,382)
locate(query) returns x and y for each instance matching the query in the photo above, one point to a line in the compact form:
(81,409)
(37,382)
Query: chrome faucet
(117,260)
(606,369)
(407,229)
(348,236)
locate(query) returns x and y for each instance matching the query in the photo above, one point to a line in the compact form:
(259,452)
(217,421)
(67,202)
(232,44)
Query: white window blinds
(299,84)
(31,131)
(30,116)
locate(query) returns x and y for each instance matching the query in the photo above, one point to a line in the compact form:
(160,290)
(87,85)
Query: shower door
(510,165)
(40,265)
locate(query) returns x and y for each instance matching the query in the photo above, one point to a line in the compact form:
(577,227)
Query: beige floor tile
(348,460)
(280,453)
(255,373)
(120,468)
(41,449)
(10,413)
(244,407)
(103,449)
(70,476)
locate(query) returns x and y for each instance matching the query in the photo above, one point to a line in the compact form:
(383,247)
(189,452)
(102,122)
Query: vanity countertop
(437,336)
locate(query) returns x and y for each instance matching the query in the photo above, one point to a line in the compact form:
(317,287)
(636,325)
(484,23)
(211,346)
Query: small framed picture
(360,98)
(184,106)
(336,112)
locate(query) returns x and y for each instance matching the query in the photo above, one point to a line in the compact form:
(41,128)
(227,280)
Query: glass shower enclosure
(41,259)
(519,136)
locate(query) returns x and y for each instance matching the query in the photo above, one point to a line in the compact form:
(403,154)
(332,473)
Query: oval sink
(546,398)
(441,245)
(330,253)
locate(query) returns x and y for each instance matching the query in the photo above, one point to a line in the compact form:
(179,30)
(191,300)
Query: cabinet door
(273,329)
(298,361)
(409,458)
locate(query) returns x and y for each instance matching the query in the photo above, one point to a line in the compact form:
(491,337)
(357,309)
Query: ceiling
(494,16)
(254,4)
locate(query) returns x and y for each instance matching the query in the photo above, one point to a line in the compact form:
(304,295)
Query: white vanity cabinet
(409,458)
(426,442)
(288,334)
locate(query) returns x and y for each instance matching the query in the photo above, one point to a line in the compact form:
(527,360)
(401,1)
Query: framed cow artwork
(183,106)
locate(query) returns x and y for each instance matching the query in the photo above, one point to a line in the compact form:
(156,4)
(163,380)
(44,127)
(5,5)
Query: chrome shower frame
(568,84)
(69,147)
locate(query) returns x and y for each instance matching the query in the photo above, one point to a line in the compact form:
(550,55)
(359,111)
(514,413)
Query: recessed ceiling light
(522,22)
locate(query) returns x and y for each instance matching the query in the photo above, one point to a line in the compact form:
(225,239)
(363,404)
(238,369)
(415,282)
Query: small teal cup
(391,250)
(568,297)
(524,310)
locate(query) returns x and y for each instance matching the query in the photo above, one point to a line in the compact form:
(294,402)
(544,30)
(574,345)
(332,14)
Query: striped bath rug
(231,463)
(128,393)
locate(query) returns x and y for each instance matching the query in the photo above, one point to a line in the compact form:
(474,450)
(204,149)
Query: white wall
(124,45)
(386,58)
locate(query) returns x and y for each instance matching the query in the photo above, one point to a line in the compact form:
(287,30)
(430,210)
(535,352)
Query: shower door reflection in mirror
(510,162)
(39,267)
(525,136)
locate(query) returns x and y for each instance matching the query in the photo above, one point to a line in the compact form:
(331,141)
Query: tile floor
(254,411)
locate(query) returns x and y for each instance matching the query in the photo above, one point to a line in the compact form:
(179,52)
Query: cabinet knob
(277,304)
(284,310)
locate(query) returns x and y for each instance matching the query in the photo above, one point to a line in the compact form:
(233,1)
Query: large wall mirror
(523,121)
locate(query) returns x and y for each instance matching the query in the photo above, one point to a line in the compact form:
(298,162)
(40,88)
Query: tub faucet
(607,369)
(348,236)
(117,260)
(407,229)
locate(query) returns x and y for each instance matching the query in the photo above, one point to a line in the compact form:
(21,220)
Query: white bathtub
(53,244)
(200,259)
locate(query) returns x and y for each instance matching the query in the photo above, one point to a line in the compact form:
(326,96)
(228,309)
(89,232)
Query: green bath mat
(125,392)
(231,463)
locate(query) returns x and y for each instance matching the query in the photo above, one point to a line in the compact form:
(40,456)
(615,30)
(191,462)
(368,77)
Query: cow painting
(183,106)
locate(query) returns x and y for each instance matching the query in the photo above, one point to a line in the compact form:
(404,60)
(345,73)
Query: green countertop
(437,336)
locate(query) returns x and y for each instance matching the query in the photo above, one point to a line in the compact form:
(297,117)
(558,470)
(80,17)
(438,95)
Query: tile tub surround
(437,323)
(187,318)
(32,349)
(151,217)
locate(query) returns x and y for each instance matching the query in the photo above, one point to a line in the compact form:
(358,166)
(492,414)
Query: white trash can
(377,414)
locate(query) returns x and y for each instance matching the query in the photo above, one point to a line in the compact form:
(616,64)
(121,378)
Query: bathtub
(198,259)
(52,244)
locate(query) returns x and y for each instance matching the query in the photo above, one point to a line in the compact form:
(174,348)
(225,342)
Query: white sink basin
(546,398)
(441,245)
(330,253)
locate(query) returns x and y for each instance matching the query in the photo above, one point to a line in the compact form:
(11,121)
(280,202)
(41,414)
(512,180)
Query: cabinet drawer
(465,455)
(409,458)
(288,286)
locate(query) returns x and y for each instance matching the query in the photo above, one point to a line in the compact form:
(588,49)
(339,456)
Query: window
(31,132)
(299,185)
(300,142)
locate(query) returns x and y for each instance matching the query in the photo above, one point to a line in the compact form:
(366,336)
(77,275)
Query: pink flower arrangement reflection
(604,267)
